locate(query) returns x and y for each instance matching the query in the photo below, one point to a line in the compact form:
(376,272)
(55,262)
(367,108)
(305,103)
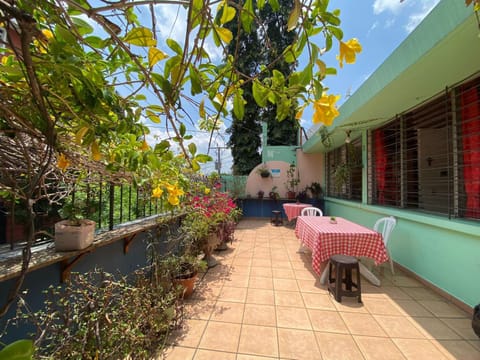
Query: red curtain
(470,103)
(380,165)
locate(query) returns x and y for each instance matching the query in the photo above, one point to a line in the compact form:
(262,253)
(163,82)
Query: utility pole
(218,163)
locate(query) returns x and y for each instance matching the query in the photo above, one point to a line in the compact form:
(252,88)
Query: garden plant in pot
(293,179)
(74,232)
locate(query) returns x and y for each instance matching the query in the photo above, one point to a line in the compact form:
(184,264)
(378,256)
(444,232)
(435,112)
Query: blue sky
(379,25)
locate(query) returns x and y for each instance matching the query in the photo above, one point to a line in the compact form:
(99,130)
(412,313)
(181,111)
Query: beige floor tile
(258,340)
(443,309)
(457,349)
(399,327)
(395,293)
(261,262)
(228,312)
(405,281)
(195,309)
(349,304)
(377,348)
(234,294)
(261,271)
(337,346)
(260,296)
(327,321)
(362,324)
(214,355)
(178,353)
(293,318)
(415,349)
(240,270)
(318,301)
(260,283)
(289,298)
(463,327)
(434,328)
(304,274)
(256,314)
(189,333)
(412,308)
(421,293)
(252,357)
(221,336)
(236,280)
(380,306)
(283,273)
(312,286)
(285,284)
(298,344)
(282,264)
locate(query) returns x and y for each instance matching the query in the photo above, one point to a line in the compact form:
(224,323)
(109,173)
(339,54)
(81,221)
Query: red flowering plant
(210,211)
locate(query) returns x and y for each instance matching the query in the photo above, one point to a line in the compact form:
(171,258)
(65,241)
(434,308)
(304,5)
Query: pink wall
(310,169)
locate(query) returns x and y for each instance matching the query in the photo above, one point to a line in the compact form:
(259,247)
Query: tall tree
(263,46)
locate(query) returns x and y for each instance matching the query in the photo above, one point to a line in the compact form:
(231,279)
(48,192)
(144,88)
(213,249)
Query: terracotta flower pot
(188,284)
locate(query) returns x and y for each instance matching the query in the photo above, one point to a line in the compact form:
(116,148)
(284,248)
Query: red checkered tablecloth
(344,237)
(292,210)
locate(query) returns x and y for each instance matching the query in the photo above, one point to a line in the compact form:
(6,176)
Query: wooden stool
(340,265)
(277,218)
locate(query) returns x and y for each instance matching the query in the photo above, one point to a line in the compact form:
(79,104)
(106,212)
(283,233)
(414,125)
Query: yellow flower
(62,162)
(348,51)
(157,192)
(47,33)
(173,200)
(144,146)
(174,190)
(207,191)
(324,109)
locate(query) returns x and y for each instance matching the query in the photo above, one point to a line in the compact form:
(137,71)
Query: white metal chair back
(311,211)
(385,227)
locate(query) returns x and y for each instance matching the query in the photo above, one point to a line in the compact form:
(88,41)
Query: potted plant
(293,180)
(74,232)
(273,194)
(260,194)
(182,272)
(263,171)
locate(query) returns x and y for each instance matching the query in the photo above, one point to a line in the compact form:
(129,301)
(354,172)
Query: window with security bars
(344,171)
(428,158)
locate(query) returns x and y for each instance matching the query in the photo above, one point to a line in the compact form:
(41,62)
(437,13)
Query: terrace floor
(263,301)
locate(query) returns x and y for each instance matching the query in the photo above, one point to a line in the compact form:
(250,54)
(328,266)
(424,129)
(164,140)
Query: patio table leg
(369,275)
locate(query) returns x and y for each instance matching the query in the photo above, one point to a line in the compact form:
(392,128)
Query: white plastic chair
(311,211)
(385,227)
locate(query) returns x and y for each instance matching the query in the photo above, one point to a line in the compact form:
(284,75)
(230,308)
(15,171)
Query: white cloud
(417,17)
(380,6)
(172,23)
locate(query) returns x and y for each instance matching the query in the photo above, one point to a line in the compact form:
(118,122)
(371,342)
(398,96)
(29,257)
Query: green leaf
(172,44)
(192,148)
(156,108)
(140,36)
(238,106)
(294,16)
(259,93)
(95,42)
(83,27)
(336,31)
(153,117)
(306,75)
(260,4)
(247,16)
(224,34)
(274,4)
(228,13)
(155,55)
(195,165)
(203,158)
(182,129)
(196,86)
(18,350)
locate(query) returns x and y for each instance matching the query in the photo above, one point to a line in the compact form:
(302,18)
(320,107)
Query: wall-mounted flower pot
(70,237)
